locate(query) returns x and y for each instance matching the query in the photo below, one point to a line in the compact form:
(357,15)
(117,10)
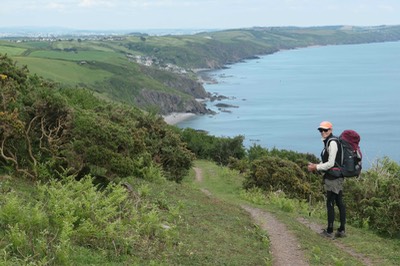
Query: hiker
(333,184)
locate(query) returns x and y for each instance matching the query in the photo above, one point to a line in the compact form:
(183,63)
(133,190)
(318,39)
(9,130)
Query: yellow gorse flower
(3,76)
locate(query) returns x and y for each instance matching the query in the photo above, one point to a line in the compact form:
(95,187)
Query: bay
(281,98)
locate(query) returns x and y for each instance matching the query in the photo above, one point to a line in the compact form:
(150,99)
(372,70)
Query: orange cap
(325,125)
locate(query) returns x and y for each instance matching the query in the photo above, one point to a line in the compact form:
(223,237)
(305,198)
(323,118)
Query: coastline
(175,118)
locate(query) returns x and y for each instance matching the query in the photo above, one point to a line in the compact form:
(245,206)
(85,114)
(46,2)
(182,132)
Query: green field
(68,72)
(10,50)
(110,57)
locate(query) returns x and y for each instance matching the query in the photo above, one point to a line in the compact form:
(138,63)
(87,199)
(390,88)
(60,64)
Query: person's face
(325,132)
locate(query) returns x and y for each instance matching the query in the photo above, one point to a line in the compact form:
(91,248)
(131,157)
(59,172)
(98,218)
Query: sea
(278,100)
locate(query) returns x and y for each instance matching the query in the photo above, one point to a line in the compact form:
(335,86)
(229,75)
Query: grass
(78,56)
(98,65)
(5,48)
(215,230)
(226,185)
(212,231)
(67,72)
(209,231)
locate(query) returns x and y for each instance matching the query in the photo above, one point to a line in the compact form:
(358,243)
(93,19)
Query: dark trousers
(331,199)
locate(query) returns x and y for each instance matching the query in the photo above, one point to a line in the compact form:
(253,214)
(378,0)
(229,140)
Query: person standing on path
(333,183)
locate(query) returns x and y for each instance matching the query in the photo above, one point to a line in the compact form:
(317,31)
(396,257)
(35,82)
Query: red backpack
(351,156)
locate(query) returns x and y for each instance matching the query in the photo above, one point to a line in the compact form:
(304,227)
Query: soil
(285,248)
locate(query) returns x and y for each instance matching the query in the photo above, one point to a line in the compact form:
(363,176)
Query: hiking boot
(340,234)
(325,233)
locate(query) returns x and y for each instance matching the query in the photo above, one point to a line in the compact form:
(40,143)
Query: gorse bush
(45,129)
(275,174)
(68,214)
(122,140)
(373,200)
(256,152)
(218,149)
(284,170)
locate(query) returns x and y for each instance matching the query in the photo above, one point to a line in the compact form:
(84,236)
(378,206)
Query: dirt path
(285,249)
(199,178)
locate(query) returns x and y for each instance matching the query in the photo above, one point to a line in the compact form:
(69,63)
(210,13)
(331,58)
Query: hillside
(86,181)
(160,72)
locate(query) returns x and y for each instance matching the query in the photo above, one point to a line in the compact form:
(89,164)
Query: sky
(195,14)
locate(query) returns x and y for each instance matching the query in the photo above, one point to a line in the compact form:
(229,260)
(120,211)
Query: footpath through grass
(366,246)
(205,230)
(215,230)
(212,231)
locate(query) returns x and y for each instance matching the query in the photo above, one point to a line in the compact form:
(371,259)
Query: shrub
(373,200)
(166,147)
(273,174)
(219,149)
(257,152)
(42,122)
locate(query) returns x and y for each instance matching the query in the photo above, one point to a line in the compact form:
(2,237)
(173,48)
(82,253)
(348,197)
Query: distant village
(41,38)
(154,62)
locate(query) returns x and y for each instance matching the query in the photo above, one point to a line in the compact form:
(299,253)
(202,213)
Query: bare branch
(4,156)
(28,140)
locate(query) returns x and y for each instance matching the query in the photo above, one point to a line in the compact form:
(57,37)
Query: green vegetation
(380,249)
(65,72)
(67,217)
(84,180)
(372,201)
(220,150)
(154,70)
(106,69)
(45,128)
(11,50)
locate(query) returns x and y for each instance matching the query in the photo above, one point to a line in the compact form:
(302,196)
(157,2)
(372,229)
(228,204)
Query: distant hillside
(159,72)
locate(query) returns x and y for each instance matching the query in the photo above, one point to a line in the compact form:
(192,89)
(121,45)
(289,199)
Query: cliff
(167,103)
(186,94)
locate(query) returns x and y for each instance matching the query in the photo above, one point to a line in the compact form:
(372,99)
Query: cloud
(55,5)
(388,8)
(95,3)
(164,3)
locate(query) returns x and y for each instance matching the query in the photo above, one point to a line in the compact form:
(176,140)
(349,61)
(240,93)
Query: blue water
(283,97)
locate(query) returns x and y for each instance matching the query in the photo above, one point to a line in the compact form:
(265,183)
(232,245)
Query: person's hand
(312,167)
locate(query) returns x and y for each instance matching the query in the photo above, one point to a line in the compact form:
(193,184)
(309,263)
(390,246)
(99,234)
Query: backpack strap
(340,151)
